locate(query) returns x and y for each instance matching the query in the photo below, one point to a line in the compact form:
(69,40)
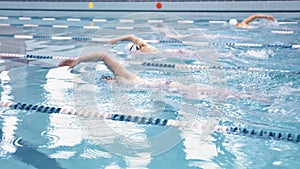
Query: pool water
(30,139)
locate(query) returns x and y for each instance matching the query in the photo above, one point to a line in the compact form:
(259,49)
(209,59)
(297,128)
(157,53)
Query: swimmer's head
(132,47)
(233,22)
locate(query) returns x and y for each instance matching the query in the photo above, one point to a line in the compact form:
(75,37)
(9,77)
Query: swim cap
(132,47)
(233,22)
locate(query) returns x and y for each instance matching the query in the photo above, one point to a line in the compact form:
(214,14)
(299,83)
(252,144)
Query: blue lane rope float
(256,133)
(155,64)
(77,19)
(104,40)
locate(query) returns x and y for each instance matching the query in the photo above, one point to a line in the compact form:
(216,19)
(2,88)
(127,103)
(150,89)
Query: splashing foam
(258,54)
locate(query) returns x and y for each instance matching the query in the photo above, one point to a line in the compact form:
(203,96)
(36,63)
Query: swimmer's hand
(270,18)
(68,62)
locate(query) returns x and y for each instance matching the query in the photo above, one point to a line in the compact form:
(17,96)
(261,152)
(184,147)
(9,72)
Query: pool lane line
(26,18)
(50,26)
(200,67)
(156,64)
(88,39)
(255,133)
(77,19)
(47,37)
(282,32)
(29,56)
(179,21)
(60,26)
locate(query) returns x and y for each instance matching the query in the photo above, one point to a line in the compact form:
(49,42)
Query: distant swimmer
(245,22)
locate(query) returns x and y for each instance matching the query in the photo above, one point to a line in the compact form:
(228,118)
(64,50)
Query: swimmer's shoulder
(243,25)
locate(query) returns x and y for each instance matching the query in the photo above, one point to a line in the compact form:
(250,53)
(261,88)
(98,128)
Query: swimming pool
(240,60)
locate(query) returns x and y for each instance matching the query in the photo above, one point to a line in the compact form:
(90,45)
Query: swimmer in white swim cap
(245,22)
(233,22)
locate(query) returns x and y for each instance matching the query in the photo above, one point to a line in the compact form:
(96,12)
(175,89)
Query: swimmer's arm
(111,63)
(93,57)
(117,68)
(131,38)
(251,18)
(125,38)
(145,47)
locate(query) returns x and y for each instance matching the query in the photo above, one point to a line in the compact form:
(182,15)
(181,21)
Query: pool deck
(204,6)
(191,10)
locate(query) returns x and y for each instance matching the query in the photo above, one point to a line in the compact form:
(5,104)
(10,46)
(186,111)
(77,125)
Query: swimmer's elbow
(100,56)
(130,37)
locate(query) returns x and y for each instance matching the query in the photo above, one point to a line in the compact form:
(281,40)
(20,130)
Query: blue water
(35,140)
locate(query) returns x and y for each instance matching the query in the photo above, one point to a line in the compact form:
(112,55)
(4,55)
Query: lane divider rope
(156,64)
(26,18)
(257,45)
(104,40)
(51,26)
(77,19)
(20,36)
(256,133)
(28,56)
(286,32)
(199,67)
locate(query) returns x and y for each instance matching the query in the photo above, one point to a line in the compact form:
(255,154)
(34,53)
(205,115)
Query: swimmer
(245,22)
(138,45)
(123,76)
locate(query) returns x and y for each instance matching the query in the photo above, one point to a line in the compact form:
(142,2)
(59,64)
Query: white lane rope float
(156,64)
(78,19)
(255,133)
(104,40)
